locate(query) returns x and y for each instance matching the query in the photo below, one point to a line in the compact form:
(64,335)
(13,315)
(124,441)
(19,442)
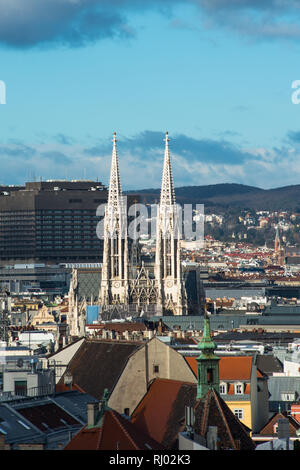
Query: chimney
(160,328)
(283,431)
(212,437)
(92,411)
(189,421)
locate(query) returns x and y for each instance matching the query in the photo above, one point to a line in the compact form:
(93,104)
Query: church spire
(115,190)
(168,271)
(114,280)
(167,195)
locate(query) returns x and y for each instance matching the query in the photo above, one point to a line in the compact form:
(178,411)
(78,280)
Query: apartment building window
(223,388)
(156,369)
(21,387)
(239,413)
(288,396)
(239,388)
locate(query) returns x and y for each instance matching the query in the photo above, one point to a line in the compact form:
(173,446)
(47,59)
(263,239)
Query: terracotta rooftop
(268,429)
(116,433)
(230,367)
(213,411)
(120,327)
(129,326)
(161,414)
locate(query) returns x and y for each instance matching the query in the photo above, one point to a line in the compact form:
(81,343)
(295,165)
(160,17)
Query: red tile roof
(212,410)
(86,439)
(119,327)
(116,433)
(230,367)
(268,429)
(62,387)
(156,413)
(161,414)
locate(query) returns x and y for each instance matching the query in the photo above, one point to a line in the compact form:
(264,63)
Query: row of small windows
(239,388)
(69,234)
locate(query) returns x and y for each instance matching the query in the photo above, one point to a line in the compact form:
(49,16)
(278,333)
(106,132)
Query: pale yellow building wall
(247,411)
(139,371)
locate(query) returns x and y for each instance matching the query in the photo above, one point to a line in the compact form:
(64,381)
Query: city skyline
(216,75)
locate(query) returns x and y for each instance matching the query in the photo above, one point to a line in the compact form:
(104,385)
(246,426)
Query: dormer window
(288,396)
(223,388)
(239,388)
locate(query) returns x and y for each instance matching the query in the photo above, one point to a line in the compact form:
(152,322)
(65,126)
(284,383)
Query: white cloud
(142,169)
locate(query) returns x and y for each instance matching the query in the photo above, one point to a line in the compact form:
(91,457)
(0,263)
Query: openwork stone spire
(114,281)
(115,215)
(115,190)
(168,272)
(167,195)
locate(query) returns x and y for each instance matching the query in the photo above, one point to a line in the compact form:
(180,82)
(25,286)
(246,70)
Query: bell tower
(207,362)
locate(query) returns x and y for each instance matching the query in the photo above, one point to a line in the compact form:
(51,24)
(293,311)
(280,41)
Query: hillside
(221,197)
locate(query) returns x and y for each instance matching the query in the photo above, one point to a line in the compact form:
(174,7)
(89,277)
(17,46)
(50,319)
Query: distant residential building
(25,375)
(164,409)
(39,279)
(280,431)
(44,423)
(243,387)
(284,392)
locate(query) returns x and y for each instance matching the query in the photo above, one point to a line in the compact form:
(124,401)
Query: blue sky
(216,74)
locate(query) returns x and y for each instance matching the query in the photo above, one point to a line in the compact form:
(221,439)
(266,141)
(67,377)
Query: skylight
(23,424)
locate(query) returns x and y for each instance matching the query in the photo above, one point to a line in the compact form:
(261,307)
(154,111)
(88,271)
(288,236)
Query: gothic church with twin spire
(139,289)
